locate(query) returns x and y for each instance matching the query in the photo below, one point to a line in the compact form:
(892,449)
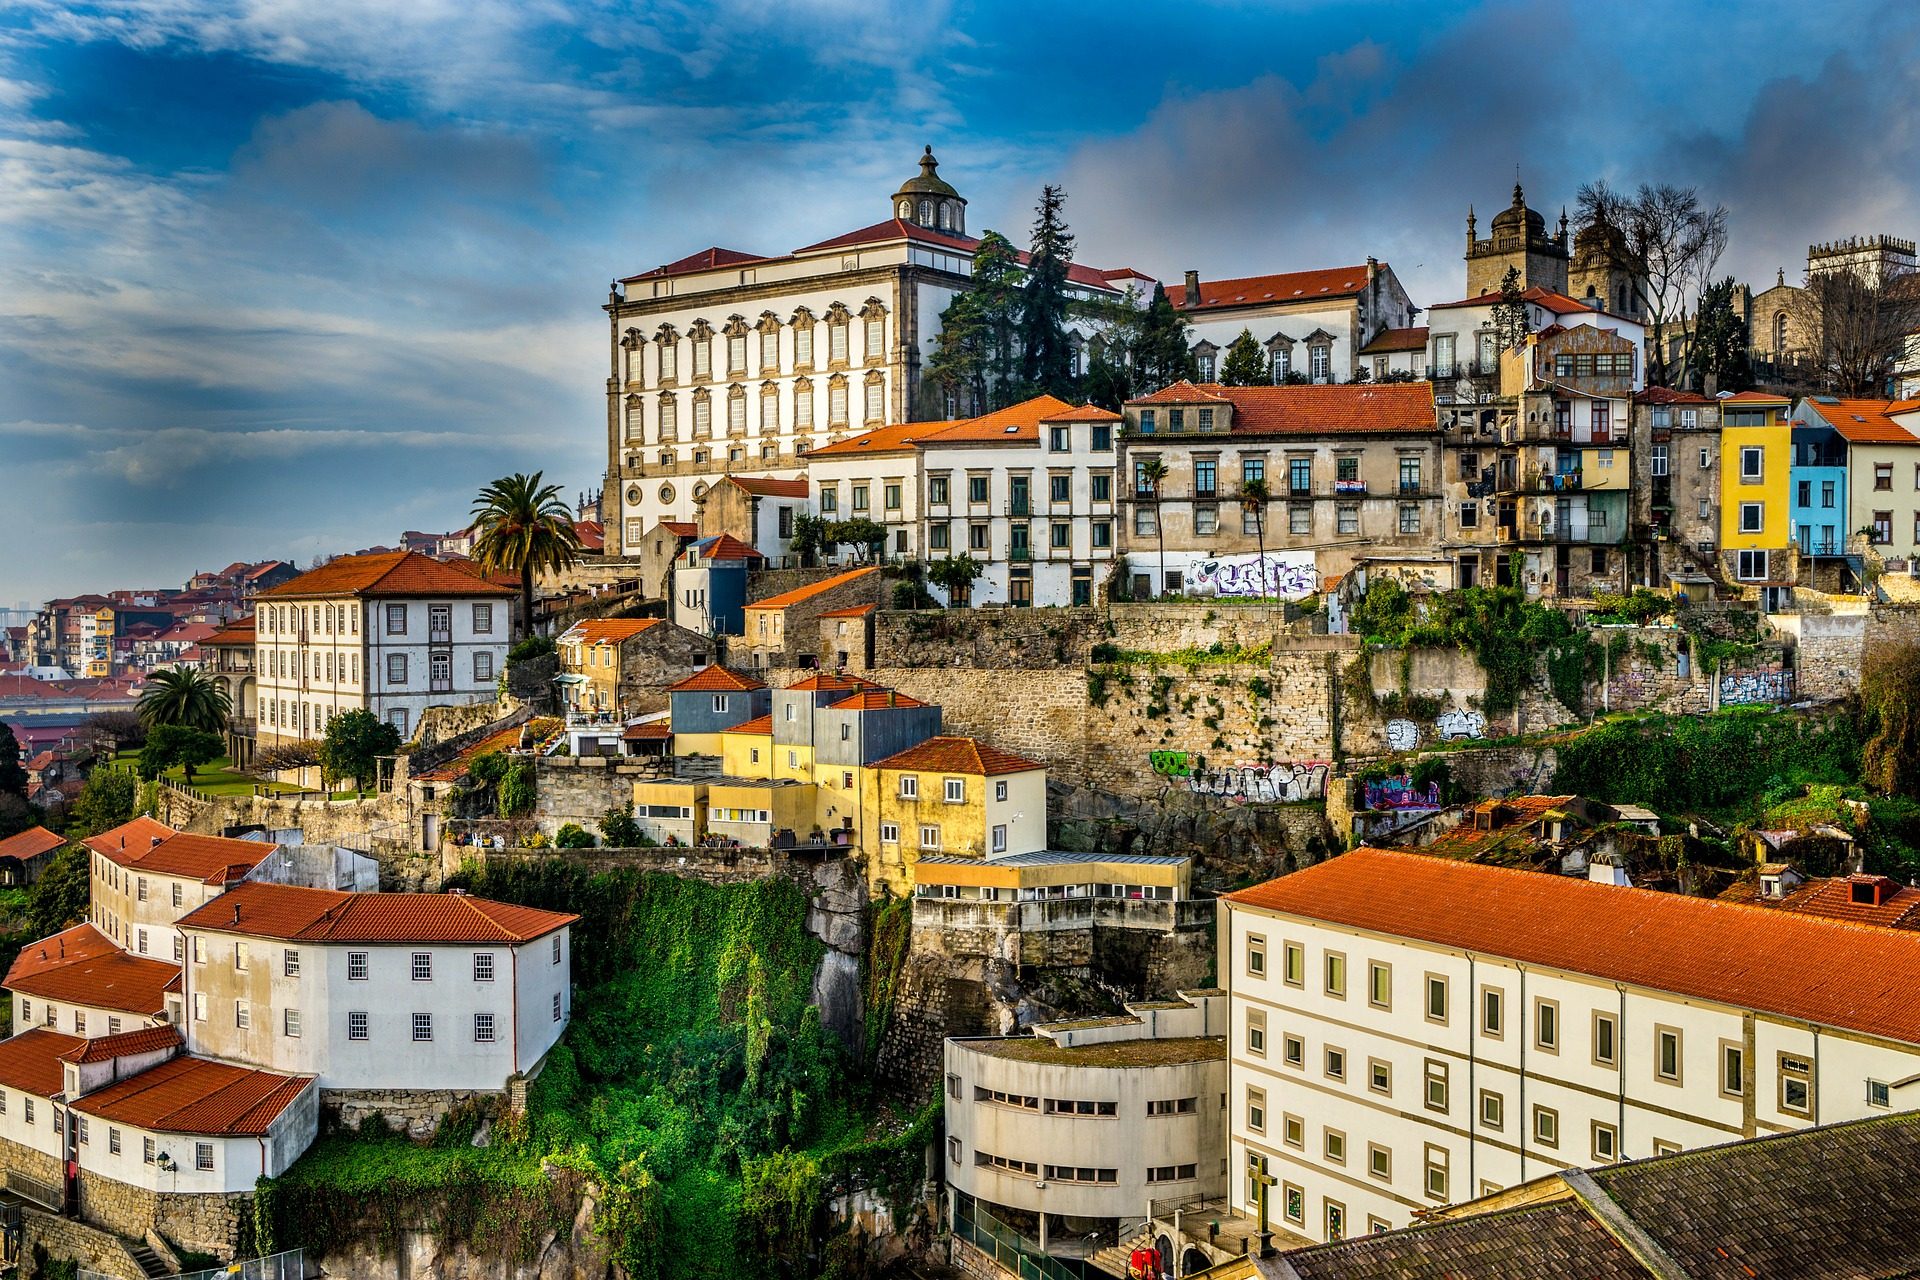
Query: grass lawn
(216,778)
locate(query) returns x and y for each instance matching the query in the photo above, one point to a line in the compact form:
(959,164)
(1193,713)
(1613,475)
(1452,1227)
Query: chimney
(1193,288)
(236,913)
(892,699)
(1373,270)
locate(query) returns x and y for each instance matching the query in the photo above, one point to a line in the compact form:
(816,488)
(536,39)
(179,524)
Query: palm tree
(1151,472)
(1254,497)
(185,697)
(522,526)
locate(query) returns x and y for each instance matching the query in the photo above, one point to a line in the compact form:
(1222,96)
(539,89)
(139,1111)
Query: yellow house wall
(699,744)
(963,826)
(1771,490)
(737,755)
(1594,474)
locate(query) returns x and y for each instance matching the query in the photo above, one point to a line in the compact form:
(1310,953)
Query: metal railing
(47,1195)
(1007,1247)
(1063,913)
(290,1265)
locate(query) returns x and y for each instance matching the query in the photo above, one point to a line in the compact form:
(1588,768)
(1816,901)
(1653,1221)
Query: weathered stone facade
(204,1223)
(418,1111)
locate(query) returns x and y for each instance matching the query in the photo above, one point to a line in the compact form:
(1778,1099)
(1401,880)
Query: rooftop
(758,725)
(1104,1053)
(140,1040)
(1785,963)
(32,842)
(330,915)
(1387,340)
(831,682)
(1861,421)
(1346,409)
(30,1061)
(1288,286)
(1050,858)
(715,679)
(800,595)
(725,547)
(209,859)
(857,611)
(1898,908)
(197,1096)
(607,630)
(958,755)
(1015,424)
(392,573)
(82,966)
(768,487)
(876,700)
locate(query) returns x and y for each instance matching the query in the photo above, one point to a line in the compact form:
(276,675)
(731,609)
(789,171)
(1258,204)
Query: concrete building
(79,982)
(710,584)
(392,634)
(707,703)
(145,876)
(372,992)
(1872,454)
(230,657)
(1389,1058)
(1078,1127)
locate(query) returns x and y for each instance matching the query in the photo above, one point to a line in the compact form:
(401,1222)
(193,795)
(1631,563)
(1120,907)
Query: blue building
(1817,493)
(710,585)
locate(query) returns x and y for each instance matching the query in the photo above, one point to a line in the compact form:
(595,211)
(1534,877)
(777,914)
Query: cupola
(928,200)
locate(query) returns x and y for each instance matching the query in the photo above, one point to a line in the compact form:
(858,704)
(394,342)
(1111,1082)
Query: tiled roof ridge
(801,594)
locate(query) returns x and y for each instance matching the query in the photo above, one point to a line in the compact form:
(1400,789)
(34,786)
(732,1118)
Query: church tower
(929,201)
(1519,240)
(1601,275)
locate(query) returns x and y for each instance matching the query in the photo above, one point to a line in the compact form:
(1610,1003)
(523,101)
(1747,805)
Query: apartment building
(376,991)
(949,795)
(145,875)
(1676,484)
(1872,448)
(1756,465)
(616,667)
(79,982)
(1348,470)
(1310,324)
(393,633)
(1409,1031)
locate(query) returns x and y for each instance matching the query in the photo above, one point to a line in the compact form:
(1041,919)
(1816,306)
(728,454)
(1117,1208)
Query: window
(1336,975)
(1659,459)
(1733,1069)
(176,895)
(290,963)
(1256,955)
(1606,1035)
(1409,517)
(1752,517)
(1882,528)
(1546,1126)
(423,1026)
(423,966)
(1606,1143)
(1336,1063)
(1380,1076)
(720,703)
(956,791)
(1300,475)
(1493,1013)
(1336,1212)
(1380,985)
(483,1028)
(1879,1094)
(483,966)
(1299,518)
(1437,1160)
(79,1023)
(113,1140)
(290,1023)
(1293,1050)
(1436,998)
(890,833)
(482,665)
(147,1150)
(1751,566)
(554,948)
(396,668)
(1751,459)
(1257,1032)
(1000,791)
(1410,474)
(1256,1110)
(909,787)
(1546,1025)
(999,837)
(29,1110)
(199,1006)
(1666,1054)
(1493,1109)
(929,837)
(1347,518)
(1081,1107)
(203,1156)
(1437,1085)
(1102,531)
(1469,515)
(1293,1203)
(141,893)
(860,497)
(1293,1132)
(356,966)
(1334,1144)
(483,619)
(1796,1085)
(557,1007)
(1171,1173)
(356,1026)
(1883,476)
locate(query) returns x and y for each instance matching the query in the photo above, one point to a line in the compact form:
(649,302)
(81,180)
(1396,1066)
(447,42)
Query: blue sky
(283,277)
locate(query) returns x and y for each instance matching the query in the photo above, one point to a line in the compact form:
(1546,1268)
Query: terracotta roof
(1348,409)
(1085,413)
(1833,899)
(681,528)
(648,731)
(128,838)
(1862,421)
(264,568)
(898,437)
(958,755)
(858,611)
(876,700)
(331,915)
(392,573)
(726,547)
(502,740)
(896,229)
(592,534)
(608,630)
(757,725)
(239,633)
(1558,1239)
(30,1061)
(81,965)
(30,843)
(705,260)
(715,679)
(799,595)
(140,1040)
(198,1096)
(1669,395)
(1785,963)
(1413,339)
(211,859)
(1288,286)
(1015,424)
(832,681)
(1553,300)
(1517,814)
(1755,397)
(768,487)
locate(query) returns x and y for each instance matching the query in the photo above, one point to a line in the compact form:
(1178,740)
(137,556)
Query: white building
(145,875)
(728,361)
(1082,1124)
(393,633)
(377,991)
(79,982)
(1311,323)
(1411,1031)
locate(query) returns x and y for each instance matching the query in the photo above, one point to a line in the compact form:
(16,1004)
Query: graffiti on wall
(1460,723)
(1402,735)
(1756,686)
(1400,793)
(1239,782)
(1285,574)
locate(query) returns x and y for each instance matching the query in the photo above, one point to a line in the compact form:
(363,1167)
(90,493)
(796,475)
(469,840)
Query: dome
(929,182)
(1517,219)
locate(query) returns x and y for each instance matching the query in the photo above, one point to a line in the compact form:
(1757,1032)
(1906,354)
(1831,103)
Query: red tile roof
(198,1096)
(895,229)
(705,260)
(331,915)
(1833,899)
(858,611)
(210,859)
(831,682)
(30,1061)
(800,595)
(81,965)
(1085,413)
(608,630)
(681,528)
(1516,815)
(726,547)
(899,437)
(1669,395)
(757,725)
(128,838)
(1347,409)
(958,755)
(141,1040)
(30,843)
(768,487)
(1862,421)
(1786,963)
(1756,397)
(1553,300)
(1413,339)
(715,679)
(876,700)
(648,731)
(1015,424)
(1288,286)
(592,534)
(239,633)
(391,573)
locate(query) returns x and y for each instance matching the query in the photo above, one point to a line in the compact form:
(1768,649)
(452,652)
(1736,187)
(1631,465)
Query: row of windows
(202,1151)
(930,836)
(419,967)
(1253,471)
(978,490)
(50,1016)
(358,1024)
(764,417)
(1346,518)
(344,619)
(666,344)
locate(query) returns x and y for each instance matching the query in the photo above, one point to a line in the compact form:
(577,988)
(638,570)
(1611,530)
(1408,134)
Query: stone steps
(149,1260)
(1113,1260)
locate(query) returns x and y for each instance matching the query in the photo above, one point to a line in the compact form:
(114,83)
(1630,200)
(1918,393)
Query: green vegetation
(572,835)
(1638,608)
(956,574)
(515,788)
(1498,625)
(1890,715)
(218,778)
(618,828)
(107,800)
(353,746)
(530,648)
(185,698)
(1714,764)
(170,745)
(696,1090)
(522,526)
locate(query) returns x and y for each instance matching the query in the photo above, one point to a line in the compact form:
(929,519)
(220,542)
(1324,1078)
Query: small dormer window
(906,208)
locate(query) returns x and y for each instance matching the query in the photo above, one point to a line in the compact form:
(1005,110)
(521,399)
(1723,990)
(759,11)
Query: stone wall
(71,1239)
(577,1253)
(382,826)
(582,788)
(1039,638)
(437,724)
(204,1223)
(418,1111)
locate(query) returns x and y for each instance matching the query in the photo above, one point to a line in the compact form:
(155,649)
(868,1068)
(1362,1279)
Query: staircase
(149,1260)
(1113,1260)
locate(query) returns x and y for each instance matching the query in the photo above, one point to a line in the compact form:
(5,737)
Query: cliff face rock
(577,1254)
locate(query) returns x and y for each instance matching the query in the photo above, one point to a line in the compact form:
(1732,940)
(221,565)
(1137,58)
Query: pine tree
(1720,351)
(974,361)
(1246,364)
(1046,361)
(1510,313)
(1162,354)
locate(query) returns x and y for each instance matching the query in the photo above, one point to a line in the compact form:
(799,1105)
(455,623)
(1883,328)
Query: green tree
(1246,363)
(1162,353)
(1510,325)
(61,895)
(177,744)
(354,743)
(618,827)
(1109,383)
(517,789)
(957,575)
(1152,473)
(1254,497)
(572,835)
(523,526)
(809,539)
(105,802)
(188,698)
(867,537)
(1720,341)
(13,777)
(1890,715)
(973,359)
(1046,360)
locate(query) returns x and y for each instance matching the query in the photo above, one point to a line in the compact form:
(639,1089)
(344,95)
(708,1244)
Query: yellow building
(949,795)
(1756,461)
(1045,877)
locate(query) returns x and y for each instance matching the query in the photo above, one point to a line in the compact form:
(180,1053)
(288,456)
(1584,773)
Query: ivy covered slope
(695,1089)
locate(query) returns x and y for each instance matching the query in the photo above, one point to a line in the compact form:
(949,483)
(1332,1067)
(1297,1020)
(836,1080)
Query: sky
(281,278)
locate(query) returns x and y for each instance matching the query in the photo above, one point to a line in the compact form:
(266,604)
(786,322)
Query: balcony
(1208,494)
(1020,555)
(1540,481)
(440,637)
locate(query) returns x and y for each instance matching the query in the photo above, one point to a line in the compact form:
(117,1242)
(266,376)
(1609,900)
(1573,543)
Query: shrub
(618,827)
(573,836)
(516,789)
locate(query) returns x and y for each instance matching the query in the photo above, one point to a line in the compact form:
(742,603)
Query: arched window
(926,213)
(669,419)
(803,404)
(946,216)
(1780,333)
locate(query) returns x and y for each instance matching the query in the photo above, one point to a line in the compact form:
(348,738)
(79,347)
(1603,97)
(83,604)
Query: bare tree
(1858,326)
(1672,243)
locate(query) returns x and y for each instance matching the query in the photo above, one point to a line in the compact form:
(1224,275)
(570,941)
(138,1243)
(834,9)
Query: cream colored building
(1311,324)
(1409,1031)
(1082,1124)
